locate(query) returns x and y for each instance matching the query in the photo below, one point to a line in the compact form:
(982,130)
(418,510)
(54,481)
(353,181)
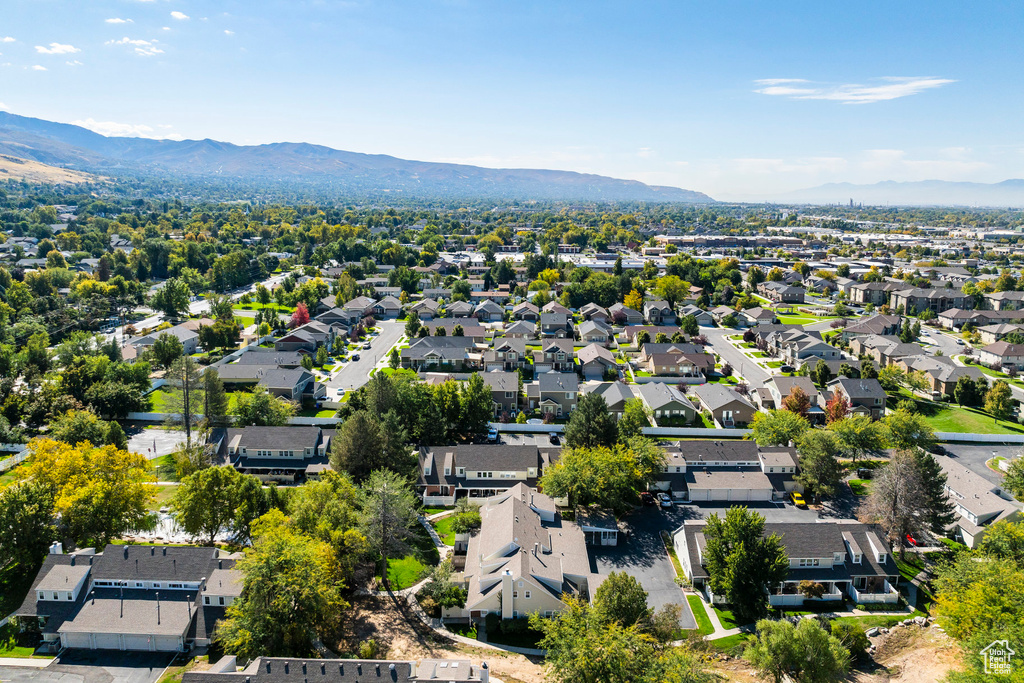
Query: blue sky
(736,99)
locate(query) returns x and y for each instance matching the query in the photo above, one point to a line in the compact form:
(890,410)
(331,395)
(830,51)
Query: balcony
(875,591)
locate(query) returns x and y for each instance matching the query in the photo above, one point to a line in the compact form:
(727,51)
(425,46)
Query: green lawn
(953,418)
(427,511)
(161,399)
(164,468)
(162,498)
(732,645)
(910,566)
(313,412)
(704,626)
(774,363)
(407,571)
(9,646)
(992,373)
(443,527)
(259,307)
(993,463)
(12,475)
(727,618)
(860,487)
(880,621)
(667,540)
(802,319)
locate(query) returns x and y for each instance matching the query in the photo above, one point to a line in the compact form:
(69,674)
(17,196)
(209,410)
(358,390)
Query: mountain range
(306,165)
(1008,193)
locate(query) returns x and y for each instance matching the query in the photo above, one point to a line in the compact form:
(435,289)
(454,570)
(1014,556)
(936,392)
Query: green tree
(622,600)
(899,500)
(172,298)
(412,325)
(820,470)
(858,436)
(822,374)
(327,509)
(607,477)
(966,392)
(263,409)
(1014,479)
(905,430)
(291,595)
(672,289)
(777,428)
(476,405)
(805,653)
(204,502)
(999,401)
(635,416)
(26,524)
(744,565)
(690,326)
(387,516)
(186,399)
(116,437)
(166,349)
(591,424)
(394,360)
(1004,540)
(215,399)
(941,513)
(76,426)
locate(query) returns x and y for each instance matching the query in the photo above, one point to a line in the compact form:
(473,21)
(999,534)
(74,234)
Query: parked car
(492,434)
(366,346)
(664,500)
(865,473)
(798,499)
(960,342)
(786,368)
(647,498)
(355,356)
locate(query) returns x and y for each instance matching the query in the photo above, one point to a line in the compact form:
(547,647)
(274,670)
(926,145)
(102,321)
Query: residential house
(555,307)
(990,334)
(526,311)
(666,403)
(188,338)
(594,312)
(879,325)
(554,393)
(459,309)
(509,353)
(956,318)
(780,387)
(286,454)
(876,293)
(615,394)
(623,315)
(1004,301)
(709,471)
(555,355)
(596,362)
(727,407)
(555,325)
(781,293)
(704,319)
(720,313)
(504,392)
(447,473)
(914,300)
(672,359)
(284,670)
(978,502)
(488,311)
(357,309)
(450,354)
(884,350)
(425,309)
(796,346)
(866,396)
(1002,355)
(593,332)
(128,597)
(756,316)
(308,337)
(523,329)
(941,372)
(658,312)
(470,328)
(524,559)
(849,560)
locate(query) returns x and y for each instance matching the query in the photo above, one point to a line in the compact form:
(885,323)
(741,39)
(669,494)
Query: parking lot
(96,666)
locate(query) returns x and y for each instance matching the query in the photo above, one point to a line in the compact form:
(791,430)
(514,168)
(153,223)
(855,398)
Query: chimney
(286,667)
(165,551)
(536,546)
(158,607)
(152,550)
(92,594)
(126,553)
(485,673)
(220,564)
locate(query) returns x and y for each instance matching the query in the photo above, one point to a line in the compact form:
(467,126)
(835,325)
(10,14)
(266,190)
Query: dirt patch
(399,634)
(911,655)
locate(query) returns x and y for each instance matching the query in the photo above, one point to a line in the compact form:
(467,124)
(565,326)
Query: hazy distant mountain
(69,146)
(923,193)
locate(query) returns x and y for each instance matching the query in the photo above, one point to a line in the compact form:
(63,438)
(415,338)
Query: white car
(664,500)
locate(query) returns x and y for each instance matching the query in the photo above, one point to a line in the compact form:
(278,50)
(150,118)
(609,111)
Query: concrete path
(442,549)
(25,662)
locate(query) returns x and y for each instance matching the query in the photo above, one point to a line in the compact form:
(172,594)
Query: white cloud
(144,48)
(129,130)
(6,39)
(118,20)
(888,88)
(228,32)
(74,62)
(56,49)
(180,16)
(645,152)
(37,67)
(166,28)
(3,107)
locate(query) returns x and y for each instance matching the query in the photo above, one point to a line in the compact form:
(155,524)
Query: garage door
(699,494)
(719,494)
(136,642)
(738,494)
(77,640)
(167,643)
(107,641)
(761,494)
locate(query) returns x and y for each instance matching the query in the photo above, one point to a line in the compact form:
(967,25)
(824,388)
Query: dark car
(865,473)
(647,498)
(786,368)
(555,441)
(355,356)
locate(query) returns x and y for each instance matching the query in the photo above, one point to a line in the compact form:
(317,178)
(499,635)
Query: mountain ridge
(70,146)
(1009,193)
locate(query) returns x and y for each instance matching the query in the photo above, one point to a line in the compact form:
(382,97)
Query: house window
(526,594)
(69,596)
(510,394)
(55,596)
(568,395)
(461,471)
(221,600)
(515,595)
(206,599)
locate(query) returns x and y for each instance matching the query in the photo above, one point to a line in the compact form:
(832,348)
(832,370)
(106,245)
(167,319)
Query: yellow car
(798,500)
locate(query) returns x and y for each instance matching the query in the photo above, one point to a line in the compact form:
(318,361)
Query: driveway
(643,556)
(973,457)
(93,666)
(357,373)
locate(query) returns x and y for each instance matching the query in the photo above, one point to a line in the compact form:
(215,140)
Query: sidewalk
(26,662)
(411,591)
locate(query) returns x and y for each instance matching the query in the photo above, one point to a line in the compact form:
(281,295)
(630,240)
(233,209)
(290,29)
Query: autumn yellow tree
(634,300)
(99,492)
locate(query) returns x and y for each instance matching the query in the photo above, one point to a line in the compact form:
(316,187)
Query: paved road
(644,557)
(755,375)
(357,373)
(100,666)
(973,457)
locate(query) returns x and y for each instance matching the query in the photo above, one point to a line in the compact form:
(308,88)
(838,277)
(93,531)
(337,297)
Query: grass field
(9,646)
(967,420)
(12,475)
(407,571)
(860,487)
(164,493)
(704,626)
(802,319)
(160,401)
(443,527)
(774,363)
(727,618)
(258,307)
(732,645)
(164,468)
